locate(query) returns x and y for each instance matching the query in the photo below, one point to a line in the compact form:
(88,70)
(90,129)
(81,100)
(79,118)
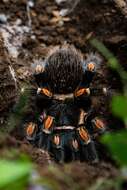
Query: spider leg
(86,145)
(31,130)
(92,63)
(87,148)
(102,91)
(90,67)
(64,146)
(95,124)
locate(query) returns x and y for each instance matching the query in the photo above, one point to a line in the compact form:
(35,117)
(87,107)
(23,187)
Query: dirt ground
(44,30)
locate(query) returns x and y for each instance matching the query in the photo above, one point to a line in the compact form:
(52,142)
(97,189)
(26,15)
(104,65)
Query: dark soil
(100,20)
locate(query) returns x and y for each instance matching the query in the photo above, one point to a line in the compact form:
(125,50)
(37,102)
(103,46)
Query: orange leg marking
(75,144)
(99,123)
(46,92)
(31,129)
(91,66)
(48,122)
(82,91)
(84,134)
(56,140)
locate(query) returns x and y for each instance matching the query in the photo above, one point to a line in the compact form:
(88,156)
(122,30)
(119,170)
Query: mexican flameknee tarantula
(66,125)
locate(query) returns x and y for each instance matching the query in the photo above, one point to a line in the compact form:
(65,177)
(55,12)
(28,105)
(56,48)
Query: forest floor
(32,32)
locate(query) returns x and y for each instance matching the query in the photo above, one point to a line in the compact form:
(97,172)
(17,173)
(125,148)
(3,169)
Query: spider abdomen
(64,70)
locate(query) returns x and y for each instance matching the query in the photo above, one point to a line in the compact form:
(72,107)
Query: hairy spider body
(67,123)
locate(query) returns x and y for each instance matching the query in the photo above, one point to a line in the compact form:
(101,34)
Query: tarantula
(67,124)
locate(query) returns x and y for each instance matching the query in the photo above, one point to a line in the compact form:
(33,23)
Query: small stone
(60,23)
(3,18)
(64,12)
(33,37)
(5,1)
(31,4)
(18,22)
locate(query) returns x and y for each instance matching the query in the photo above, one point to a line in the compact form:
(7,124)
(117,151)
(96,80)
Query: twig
(28,6)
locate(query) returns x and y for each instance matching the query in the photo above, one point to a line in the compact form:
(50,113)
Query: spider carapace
(66,125)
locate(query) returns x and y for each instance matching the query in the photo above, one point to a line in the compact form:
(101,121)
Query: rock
(8,86)
(3,18)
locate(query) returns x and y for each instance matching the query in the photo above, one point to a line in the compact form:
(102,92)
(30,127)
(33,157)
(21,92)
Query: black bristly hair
(66,72)
(40,79)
